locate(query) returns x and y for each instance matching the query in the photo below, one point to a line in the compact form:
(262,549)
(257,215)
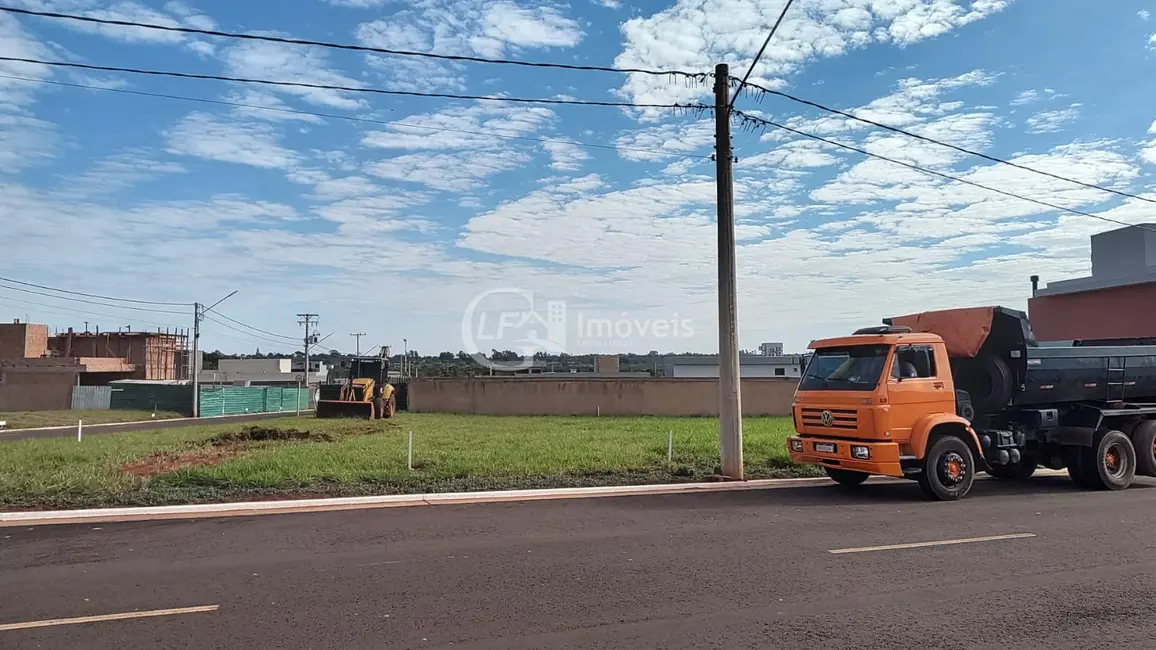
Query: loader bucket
(335,409)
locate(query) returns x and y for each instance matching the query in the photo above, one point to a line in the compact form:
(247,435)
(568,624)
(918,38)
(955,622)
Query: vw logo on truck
(827,418)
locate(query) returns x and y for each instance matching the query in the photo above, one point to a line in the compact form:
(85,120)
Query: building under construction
(38,371)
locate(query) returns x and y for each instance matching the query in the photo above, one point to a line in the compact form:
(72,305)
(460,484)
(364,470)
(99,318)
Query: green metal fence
(234,400)
(214,400)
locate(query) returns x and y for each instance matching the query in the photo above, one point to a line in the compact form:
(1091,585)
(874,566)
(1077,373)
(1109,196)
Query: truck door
(916,387)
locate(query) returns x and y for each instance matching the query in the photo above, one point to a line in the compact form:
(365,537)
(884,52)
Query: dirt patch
(170,461)
(263,434)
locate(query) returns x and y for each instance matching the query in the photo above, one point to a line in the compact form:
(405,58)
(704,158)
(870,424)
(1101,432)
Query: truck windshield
(853,367)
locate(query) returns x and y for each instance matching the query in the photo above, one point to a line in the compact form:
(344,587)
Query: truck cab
(869,403)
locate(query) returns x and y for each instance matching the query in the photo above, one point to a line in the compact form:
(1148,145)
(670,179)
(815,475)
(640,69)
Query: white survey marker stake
(942,542)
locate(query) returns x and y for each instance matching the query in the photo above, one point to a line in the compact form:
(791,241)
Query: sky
(430,224)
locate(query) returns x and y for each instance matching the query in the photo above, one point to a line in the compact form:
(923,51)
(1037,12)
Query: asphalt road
(96,429)
(736,570)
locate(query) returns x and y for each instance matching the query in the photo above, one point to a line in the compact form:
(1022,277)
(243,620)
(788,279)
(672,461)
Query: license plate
(824,447)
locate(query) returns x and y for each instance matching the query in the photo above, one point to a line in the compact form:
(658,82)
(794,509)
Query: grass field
(34,419)
(291,457)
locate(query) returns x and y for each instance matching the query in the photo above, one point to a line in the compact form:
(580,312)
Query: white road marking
(942,542)
(107,617)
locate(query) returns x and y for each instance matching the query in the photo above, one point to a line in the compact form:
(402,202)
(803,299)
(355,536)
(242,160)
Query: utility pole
(730,401)
(309,321)
(358,335)
(193,362)
(405,357)
(198,314)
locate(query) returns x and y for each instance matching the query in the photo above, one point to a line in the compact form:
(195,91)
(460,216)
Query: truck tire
(1110,463)
(845,476)
(1020,471)
(1144,440)
(1074,459)
(987,380)
(948,470)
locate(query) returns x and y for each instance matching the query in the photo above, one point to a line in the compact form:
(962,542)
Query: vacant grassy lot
(34,419)
(293,457)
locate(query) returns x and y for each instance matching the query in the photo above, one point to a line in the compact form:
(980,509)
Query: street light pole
(198,314)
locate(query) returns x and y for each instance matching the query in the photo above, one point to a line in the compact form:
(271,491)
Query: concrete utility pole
(309,321)
(730,400)
(193,361)
(198,314)
(358,335)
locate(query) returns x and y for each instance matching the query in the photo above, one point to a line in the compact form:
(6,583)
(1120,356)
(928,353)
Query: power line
(60,311)
(963,150)
(395,123)
(255,329)
(698,76)
(758,122)
(92,302)
(249,334)
(352,89)
(774,28)
(93,295)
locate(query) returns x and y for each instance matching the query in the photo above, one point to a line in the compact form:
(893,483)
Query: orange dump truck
(939,396)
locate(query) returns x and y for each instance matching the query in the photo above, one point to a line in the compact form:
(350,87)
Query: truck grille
(840,418)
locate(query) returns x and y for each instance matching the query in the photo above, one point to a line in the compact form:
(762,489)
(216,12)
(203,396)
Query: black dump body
(1011,369)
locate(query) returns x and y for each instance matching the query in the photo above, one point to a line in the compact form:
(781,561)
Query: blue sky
(395,229)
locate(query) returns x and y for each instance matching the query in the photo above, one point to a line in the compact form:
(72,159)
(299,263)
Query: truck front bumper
(882,458)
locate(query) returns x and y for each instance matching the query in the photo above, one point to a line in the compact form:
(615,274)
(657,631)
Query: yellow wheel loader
(366,392)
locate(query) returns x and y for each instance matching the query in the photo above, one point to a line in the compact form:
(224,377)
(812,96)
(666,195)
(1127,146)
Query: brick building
(1118,301)
(38,371)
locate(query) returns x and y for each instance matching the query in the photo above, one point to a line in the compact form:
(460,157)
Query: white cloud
(565,156)
(666,141)
(1144,14)
(267,106)
(173,14)
(478,126)
(507,23)
(694,34)
(1052,121)
(279,62)
(472,27)
(1026,97)
(449,172)
(207,136)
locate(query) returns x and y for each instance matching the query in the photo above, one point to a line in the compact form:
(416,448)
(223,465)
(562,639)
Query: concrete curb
(251,508)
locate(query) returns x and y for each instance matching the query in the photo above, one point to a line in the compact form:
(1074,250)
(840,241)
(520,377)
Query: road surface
(94,429)
(1066,569)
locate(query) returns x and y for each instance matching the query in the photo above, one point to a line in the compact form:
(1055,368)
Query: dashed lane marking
(942,542)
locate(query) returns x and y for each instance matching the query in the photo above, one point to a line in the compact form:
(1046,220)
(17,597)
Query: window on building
(780,372)
(914,362)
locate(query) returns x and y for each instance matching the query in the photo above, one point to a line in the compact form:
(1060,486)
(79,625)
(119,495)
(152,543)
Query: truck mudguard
(921,432)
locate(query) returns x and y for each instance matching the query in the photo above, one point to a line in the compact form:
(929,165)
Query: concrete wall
(588,396)
(36,390)
(1118,313)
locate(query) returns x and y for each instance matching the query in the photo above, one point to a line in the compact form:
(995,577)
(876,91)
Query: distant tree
(446,356)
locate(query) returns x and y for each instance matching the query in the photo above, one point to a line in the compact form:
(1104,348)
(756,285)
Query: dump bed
(997,360)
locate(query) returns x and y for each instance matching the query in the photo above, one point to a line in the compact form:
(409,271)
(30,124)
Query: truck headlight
(796,445)
(861,453)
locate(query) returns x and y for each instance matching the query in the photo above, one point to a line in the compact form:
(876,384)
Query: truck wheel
(1110,464)
(1144,440)
(948,470)
(1020,471)
(1074,458)
(846,476)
